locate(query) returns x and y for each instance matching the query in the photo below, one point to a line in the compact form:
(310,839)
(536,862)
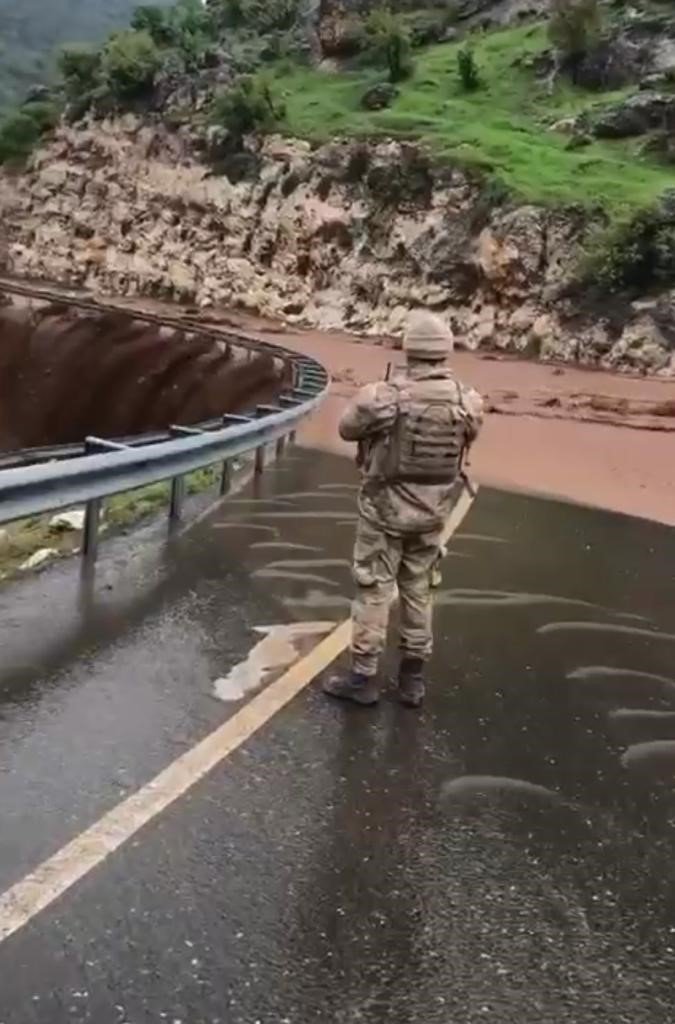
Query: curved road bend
(504,856)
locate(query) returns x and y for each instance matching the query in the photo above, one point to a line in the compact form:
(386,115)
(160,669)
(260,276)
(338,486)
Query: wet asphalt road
(505,856)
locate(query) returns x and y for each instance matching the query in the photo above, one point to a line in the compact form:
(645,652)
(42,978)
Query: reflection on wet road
(504,856)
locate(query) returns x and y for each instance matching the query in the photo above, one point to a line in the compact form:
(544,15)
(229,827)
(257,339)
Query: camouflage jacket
(402,508)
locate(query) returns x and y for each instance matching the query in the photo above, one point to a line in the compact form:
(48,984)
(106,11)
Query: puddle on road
(601,672)
(297,577)
(340,516)
(318,599)
(603,627)
(241,525)
(281,647)
(309,563)
(471,598)
(642,725)
(654,760)
(326,495)
(481,538)
(279,545)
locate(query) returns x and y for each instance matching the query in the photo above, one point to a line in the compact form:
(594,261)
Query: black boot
(411,688)
(355,687)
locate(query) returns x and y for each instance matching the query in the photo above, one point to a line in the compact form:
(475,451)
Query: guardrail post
(225,479)
(177,498)
(92,511)
(281,445)
(259,459)
(178,482)
(92,520)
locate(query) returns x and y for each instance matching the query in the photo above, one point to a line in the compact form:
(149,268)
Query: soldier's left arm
(372,410)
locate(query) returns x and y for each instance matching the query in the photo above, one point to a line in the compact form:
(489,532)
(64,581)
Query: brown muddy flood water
(65,374)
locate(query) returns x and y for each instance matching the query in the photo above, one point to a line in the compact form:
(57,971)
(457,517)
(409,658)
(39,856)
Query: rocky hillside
(529,203)
(127,209)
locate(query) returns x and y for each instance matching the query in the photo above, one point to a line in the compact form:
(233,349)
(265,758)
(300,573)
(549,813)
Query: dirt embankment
(65,375)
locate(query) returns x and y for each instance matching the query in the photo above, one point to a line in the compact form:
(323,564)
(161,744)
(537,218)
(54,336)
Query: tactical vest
(429,436)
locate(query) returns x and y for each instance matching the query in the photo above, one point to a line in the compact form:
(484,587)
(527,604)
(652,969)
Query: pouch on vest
(429,437)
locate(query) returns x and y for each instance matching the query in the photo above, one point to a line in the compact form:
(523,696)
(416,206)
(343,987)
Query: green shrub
(129,63)
(79,66)
(229,12)
(190,17)
(19,134)
(273,15)
(193,31)
(248,107)
(468,70)
(258,15)
(574,26)
(44,113)
(389,44)
(187,26)
(21,129)
(153,20)
(634,254)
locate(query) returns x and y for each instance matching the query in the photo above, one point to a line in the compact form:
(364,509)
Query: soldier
(413,434)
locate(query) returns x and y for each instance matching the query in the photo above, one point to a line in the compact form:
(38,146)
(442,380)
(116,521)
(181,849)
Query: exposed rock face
(347,236)
(612,64)
(379,96)
(334,17)
(636,115)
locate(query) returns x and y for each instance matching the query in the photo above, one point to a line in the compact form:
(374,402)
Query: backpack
(429,436)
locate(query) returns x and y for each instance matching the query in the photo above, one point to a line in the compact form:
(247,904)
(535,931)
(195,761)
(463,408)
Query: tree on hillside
(79,65)
(129,63)
(154,20)
(187,27)
(258,15)
(248,106)
(390,43)
(21,130)
(467,67)
(574,27)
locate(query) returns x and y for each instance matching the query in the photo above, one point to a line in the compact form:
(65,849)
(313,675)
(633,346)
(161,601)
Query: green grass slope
(503,127)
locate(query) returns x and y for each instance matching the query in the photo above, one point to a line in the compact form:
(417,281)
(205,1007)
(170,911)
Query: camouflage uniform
(398,541)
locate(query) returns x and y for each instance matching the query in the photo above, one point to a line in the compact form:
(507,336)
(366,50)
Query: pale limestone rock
(38,559)
(125,207)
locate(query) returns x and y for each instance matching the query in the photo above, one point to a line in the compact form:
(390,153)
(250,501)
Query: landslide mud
(65,374)
(570,451)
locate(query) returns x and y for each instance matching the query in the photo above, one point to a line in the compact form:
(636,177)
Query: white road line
(64,869)
(57,874)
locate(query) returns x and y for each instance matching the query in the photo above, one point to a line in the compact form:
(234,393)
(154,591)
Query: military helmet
(427,336)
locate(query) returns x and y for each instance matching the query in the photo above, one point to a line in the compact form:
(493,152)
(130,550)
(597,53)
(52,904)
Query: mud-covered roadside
(587,436)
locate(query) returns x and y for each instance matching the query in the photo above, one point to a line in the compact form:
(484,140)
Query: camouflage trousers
(383,562)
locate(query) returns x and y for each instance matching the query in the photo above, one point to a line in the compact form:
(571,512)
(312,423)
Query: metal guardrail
(50,479)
